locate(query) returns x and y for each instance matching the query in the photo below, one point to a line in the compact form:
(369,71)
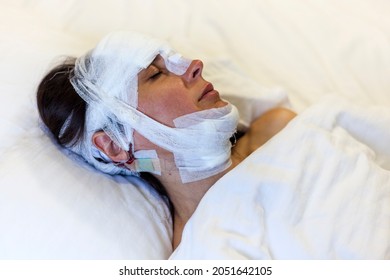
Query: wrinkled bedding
(320,189)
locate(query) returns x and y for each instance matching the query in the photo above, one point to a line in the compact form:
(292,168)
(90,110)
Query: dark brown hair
(58,102)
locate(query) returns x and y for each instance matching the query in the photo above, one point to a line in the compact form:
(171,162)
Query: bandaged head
(107,79)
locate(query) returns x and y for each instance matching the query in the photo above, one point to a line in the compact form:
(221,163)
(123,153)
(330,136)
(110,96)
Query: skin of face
(165,96)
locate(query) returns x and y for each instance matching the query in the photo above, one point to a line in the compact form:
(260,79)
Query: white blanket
(320,189)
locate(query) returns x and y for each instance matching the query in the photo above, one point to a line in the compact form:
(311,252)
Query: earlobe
(105,144)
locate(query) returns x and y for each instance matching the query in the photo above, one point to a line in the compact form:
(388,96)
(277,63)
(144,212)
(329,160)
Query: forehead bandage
(107,79)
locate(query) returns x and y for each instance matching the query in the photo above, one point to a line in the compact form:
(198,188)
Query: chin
(221,103)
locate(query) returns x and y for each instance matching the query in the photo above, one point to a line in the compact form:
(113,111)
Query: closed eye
(155,75)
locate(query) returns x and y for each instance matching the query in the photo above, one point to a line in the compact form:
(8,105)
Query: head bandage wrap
(107,79)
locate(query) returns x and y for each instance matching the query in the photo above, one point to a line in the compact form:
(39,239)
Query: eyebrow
(144,73)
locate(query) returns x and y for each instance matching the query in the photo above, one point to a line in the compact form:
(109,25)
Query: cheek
(172,108)
(166,106)
(160,108)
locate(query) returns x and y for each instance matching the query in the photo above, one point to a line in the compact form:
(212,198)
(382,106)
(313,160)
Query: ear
(105,144)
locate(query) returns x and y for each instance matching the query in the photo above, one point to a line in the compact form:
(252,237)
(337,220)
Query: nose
(193,71)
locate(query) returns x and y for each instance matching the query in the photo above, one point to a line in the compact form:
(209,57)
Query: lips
(209,87)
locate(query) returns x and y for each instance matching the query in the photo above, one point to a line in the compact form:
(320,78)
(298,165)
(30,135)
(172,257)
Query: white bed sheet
(318,190)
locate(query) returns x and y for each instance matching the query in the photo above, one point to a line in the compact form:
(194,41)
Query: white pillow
(50,206)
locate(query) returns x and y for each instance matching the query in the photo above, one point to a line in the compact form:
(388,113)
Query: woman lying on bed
(132,106)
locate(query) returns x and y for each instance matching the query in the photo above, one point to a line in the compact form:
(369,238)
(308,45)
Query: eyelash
(155,75)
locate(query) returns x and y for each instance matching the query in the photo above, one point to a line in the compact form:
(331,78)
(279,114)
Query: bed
(320,189)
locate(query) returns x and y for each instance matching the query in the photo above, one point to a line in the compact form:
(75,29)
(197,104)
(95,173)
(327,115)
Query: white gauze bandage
(107,79)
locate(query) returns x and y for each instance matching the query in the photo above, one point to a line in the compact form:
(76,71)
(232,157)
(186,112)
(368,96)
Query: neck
(185,197)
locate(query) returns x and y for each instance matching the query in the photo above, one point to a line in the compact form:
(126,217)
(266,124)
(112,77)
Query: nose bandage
(107,79)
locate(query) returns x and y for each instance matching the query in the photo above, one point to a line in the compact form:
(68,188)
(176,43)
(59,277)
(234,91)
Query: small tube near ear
(140,161)
(130,156)
(144,161)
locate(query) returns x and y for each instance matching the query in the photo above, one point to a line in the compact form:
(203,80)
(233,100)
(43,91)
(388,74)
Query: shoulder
(261,130)
(275,118)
